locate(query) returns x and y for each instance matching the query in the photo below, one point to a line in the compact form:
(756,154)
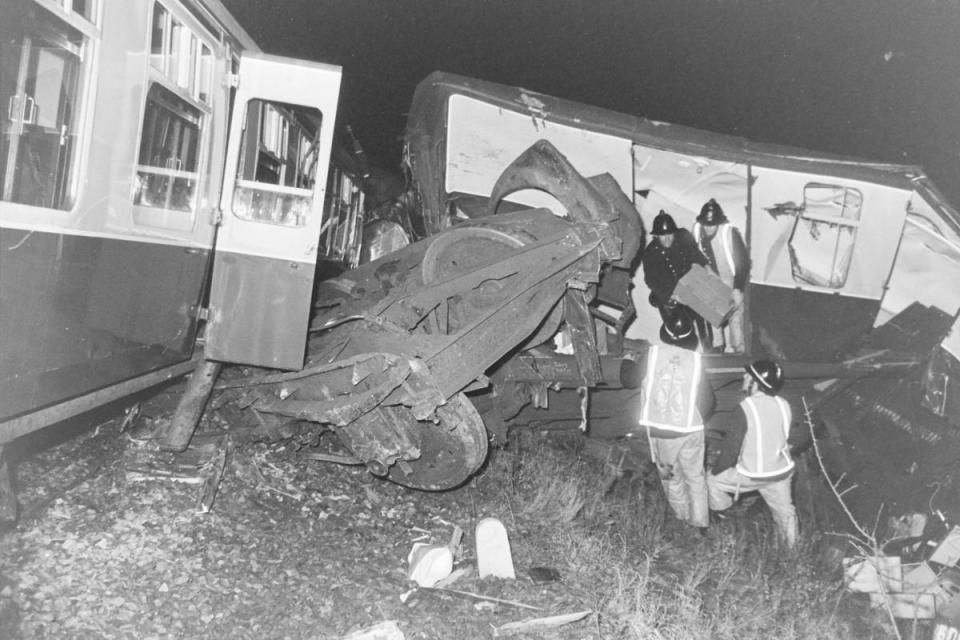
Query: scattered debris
(542,575)
(386,630)
(429,563)
(407,597)
(493,550)
(331,457)
(457,574)
(539,624)
(202,463)
(921,590)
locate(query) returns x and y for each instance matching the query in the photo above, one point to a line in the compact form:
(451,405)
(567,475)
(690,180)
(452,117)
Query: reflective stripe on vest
(765,452)
(726,267)
(670,391)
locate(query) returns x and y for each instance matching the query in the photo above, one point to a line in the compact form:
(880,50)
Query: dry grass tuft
(599,508)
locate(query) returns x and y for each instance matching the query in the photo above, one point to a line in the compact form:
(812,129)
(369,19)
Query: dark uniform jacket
(663,268)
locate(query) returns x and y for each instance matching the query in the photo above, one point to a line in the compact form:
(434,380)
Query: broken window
(44,61)
(278,163)
(340,238)
(824,234)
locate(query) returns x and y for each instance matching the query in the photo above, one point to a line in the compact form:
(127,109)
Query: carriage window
(342,214)
(83,8)
(44,63)
(277,163)
(824,234)
(168,162)
(180,55)
(167,168)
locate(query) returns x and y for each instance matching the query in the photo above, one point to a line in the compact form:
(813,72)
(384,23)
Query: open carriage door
(821,250)
(278,154)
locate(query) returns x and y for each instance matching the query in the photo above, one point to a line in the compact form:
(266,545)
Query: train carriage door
(278,155)
(821,252)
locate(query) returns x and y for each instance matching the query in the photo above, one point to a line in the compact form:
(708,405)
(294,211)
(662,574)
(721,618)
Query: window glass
(340,238)
(204,74)
(179,54)
(43,64)
(277,163)
(168,160)
(824,234)
(158,36)
(83,8)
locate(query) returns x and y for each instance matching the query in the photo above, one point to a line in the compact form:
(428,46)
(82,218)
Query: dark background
(879,80)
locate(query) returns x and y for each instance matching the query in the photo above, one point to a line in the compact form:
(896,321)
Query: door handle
(12,107)
(29,110)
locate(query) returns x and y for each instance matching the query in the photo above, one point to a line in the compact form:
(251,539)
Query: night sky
(875,79)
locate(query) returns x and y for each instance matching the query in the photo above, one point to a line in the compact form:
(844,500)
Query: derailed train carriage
(850,269)
(167,192)
(837,245)
(176,191)
(149,149)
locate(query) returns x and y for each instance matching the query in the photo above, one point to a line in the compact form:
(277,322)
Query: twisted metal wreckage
(399,342)
(419,357)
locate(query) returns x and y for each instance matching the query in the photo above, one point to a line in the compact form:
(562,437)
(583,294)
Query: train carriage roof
(426,129)
(216,8)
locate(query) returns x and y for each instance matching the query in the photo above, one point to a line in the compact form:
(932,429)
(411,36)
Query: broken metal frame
(433,328)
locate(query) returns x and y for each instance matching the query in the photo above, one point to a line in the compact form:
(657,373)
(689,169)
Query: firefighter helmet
(768,374)
(663,224)
(711,214)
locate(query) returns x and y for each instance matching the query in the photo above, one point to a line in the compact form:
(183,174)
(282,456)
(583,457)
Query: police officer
(666,259)
(727,256)
(755,454)
(677,329)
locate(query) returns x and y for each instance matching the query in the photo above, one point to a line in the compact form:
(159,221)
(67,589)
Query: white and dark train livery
(156,169)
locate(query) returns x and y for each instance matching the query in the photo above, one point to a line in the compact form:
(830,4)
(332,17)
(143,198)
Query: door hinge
(216,216)
(231,80)
(202,313)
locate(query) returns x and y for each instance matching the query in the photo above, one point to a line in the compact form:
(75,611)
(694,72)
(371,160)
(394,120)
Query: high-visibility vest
(726,267)
(765,452)
(670,392)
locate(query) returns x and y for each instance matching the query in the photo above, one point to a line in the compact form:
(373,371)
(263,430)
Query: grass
(597,510)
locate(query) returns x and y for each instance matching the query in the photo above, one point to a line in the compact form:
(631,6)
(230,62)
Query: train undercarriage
(416,359)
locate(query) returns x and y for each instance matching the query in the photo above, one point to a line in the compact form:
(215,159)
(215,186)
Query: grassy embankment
(601,518)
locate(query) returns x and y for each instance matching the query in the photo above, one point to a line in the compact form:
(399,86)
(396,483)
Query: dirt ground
(293,548)
(297,548)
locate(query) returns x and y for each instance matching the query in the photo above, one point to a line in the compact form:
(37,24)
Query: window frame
(191,96)
(841,256)
(269,129)
(61,22)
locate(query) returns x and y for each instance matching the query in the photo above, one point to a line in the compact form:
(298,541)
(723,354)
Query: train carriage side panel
(111,173)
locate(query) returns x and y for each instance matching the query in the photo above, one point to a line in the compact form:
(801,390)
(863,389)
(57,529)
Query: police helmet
(677,329)
(768,374)
(663,224)
(711,214)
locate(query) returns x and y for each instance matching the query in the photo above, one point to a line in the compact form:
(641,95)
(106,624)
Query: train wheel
(421,454)
(463,250)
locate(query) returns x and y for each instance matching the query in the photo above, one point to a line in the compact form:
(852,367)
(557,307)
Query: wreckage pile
(914,576)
